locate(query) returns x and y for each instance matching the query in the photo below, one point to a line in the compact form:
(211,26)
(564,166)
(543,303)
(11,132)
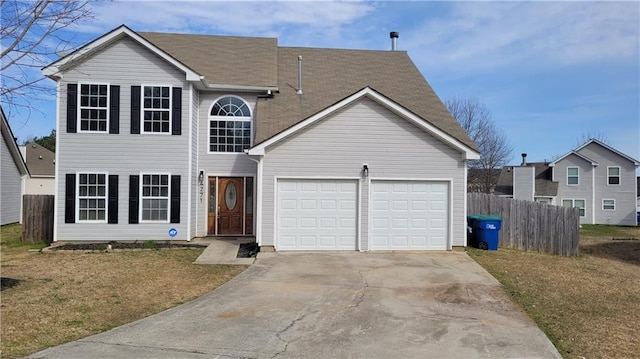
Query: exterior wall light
(201,177)
(365,170)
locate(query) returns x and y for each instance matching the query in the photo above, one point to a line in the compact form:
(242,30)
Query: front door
(231,205)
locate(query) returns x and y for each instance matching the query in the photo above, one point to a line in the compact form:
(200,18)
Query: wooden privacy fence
(530,226)
(37,218)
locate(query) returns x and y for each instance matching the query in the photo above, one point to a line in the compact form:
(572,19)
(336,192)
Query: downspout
(593,194)
(258,186)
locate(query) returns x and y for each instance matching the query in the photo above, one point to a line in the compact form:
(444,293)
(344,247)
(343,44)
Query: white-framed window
(577,203)
(156,109)
(573,176)
(613,175)
(155,194)
(92,197)
(608,204)
(229,125)
(93,107)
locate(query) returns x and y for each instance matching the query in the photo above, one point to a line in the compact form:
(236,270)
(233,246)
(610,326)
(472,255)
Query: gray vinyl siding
(523,183)
(218,164)
(581,191)
(364,132)
(125,63)
(624,194)
(10,187)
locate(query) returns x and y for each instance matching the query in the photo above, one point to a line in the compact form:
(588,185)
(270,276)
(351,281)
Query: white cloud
(483,35)
(215,17)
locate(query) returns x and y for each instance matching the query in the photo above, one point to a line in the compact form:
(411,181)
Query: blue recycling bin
(485,231)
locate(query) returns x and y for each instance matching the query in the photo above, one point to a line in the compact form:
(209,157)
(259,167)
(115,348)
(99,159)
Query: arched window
(229,134)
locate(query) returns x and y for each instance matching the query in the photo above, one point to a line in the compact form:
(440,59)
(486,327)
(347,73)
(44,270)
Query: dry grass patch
(62,297)
(589,306)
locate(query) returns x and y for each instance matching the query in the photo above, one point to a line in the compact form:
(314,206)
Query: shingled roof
(40,161)
(226,60)
(545,187)
(330,75)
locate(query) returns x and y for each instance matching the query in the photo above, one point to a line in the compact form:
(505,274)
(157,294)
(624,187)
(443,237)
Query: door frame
(207,178)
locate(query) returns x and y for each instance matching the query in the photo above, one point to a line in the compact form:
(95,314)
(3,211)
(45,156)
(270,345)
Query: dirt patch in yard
(589,306)
(61,298)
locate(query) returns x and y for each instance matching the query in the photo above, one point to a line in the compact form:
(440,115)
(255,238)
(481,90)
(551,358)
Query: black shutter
(134,189)
(135,109)
(112,216)
(72,108)
(176,108)
(70,198)
(175,199)
(114,110)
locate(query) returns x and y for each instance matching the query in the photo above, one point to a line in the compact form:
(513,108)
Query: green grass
(603,230)
(11,235)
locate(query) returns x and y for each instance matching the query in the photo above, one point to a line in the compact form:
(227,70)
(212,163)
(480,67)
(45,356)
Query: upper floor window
(229,125)
(156,109)
(613,175)
(573,176)
(578,203)
(94,107)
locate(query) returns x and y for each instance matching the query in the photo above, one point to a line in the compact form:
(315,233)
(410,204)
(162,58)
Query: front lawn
(589,306)
(52,298)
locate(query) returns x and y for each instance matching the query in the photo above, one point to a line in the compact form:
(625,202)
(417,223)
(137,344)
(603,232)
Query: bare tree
(591,135)
(31,38)
(495,149)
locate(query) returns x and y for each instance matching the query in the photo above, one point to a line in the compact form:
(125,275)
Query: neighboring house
(595,177)
(12,169)
(638,194)
(180,136)
(480,180)
(41,164)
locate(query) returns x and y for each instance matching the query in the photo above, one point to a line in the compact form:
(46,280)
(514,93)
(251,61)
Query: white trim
(369,224)
(573,184)
(573,204)
(190,164)
(593,196)
(467,152)
(259,195)
(359,215)
(53,70)
(56,181)
(464,205)
(619,175)
(77,197)
(593,140)
(140,197)
(592,162)
(449,182)
(170,109)
(79,107)
(609,209)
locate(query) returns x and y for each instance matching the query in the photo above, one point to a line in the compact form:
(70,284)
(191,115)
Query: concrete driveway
(335,305)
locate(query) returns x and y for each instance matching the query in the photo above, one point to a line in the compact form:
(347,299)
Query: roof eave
(55,69)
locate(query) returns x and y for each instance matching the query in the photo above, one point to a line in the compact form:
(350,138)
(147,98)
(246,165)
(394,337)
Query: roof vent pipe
(299,92)
(524,160)
(394,40)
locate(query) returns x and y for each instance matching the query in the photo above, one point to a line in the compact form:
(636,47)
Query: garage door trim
(356,180)
(449,225)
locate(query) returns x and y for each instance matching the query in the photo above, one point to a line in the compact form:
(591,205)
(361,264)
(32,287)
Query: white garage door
(409,215)
(316,215)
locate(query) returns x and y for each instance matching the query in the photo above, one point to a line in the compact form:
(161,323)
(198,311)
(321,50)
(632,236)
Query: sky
(551,73)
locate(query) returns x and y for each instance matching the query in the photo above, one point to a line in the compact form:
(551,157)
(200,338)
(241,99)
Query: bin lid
(484,217)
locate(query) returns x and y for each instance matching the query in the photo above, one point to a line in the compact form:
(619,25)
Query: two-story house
(595,177)
(176,136)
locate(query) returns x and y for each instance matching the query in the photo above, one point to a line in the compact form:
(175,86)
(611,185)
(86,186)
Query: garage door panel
(409,215)
(323,217)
